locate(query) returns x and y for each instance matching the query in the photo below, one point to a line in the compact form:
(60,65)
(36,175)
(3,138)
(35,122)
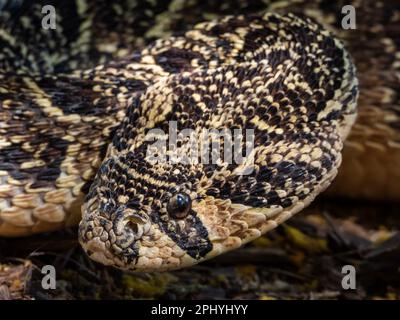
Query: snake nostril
(133,226)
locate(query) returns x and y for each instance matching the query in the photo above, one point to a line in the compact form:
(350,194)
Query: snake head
(132,220)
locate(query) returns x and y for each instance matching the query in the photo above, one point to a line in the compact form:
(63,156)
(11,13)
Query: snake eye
(179,206)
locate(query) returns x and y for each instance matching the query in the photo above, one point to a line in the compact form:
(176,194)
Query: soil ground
(302,259)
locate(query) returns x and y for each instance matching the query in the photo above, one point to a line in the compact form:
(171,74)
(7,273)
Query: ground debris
(301,259)
(13,280)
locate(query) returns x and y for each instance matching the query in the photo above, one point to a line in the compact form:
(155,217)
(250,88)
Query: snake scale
(77,104)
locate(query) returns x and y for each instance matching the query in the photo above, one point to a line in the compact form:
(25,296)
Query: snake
(83,103)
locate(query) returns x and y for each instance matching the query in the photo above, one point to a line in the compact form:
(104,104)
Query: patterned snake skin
(77,104)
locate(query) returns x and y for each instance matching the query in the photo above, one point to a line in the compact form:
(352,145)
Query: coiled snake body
(77,104)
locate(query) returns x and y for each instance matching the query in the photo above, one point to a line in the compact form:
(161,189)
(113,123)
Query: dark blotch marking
(198,245)
(13,156)
(176,60)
